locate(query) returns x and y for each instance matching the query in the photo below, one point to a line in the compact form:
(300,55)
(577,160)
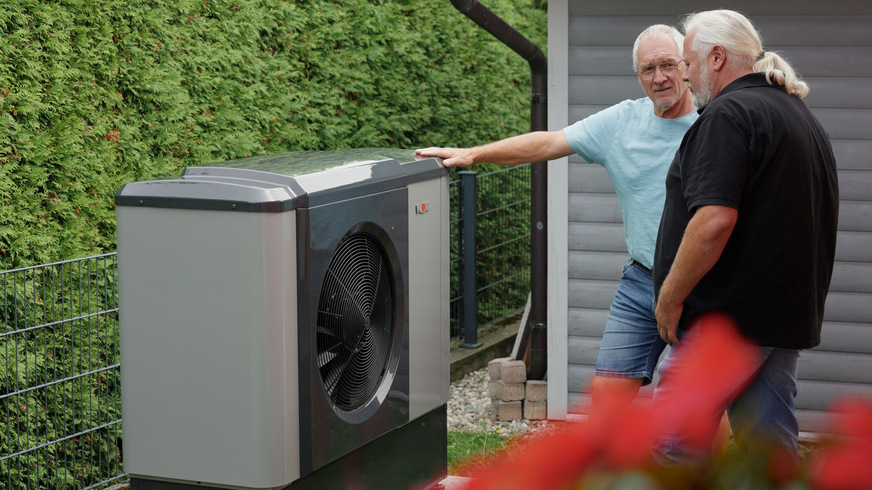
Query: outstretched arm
(530,147)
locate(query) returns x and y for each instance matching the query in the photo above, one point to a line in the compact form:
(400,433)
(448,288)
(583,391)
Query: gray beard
(702,95)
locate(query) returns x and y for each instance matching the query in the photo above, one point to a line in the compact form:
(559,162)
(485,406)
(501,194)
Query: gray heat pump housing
(220,274)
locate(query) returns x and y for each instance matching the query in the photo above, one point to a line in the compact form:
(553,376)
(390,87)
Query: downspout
(537,319)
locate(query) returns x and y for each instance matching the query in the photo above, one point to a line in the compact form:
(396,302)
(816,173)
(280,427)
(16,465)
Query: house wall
(830,45)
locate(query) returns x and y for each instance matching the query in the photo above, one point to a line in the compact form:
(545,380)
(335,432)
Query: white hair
(740,38)
(670,31)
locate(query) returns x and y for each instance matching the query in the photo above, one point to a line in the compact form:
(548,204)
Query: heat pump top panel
(282,182)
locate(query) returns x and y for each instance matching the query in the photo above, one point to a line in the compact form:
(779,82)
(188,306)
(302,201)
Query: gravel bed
(470,409)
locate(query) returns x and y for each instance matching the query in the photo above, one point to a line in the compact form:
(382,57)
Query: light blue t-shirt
(636,148)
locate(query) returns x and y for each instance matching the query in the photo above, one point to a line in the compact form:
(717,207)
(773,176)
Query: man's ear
(718,57)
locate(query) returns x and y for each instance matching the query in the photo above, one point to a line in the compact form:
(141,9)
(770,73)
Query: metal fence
(490,230)
(60,398)
(60,390)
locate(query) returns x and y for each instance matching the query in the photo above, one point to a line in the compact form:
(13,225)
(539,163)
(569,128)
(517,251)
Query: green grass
(471,450)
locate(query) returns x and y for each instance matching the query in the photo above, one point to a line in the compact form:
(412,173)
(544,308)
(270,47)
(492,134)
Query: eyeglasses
(668,68)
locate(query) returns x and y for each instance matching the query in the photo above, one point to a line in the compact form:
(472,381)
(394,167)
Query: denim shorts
(631,344)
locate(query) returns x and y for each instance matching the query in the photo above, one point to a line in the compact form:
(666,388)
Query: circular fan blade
(355,321)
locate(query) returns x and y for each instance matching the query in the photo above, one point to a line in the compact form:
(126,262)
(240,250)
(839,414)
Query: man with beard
(749,223)
(635,141)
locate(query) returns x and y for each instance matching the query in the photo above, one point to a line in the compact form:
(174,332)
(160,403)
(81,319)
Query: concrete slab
(497,341)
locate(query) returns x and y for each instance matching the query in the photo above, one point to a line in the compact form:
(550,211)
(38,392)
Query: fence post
(470,302)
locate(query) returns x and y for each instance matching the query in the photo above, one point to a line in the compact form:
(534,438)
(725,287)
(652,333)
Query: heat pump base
(414,456)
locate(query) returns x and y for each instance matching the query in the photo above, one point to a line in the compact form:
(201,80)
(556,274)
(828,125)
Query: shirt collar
(745,81)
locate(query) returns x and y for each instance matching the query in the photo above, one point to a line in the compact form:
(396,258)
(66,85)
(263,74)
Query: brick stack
(512,395)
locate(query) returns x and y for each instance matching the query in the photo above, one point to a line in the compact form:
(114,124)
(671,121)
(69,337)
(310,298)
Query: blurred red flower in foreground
(845,461)
(620,436)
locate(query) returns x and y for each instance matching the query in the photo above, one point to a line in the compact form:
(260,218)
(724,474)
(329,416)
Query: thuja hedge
(97,94)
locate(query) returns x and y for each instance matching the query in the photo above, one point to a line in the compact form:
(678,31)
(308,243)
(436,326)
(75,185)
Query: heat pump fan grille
(355,321)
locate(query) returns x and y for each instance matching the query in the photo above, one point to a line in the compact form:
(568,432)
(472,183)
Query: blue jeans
(631,344)
(763,414)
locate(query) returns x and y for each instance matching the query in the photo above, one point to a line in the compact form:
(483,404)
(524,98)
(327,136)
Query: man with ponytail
(749,224)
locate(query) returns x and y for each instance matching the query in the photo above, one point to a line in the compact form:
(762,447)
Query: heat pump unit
(284,323)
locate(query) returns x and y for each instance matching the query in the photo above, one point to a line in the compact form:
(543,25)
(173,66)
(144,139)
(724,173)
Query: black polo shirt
(758,149)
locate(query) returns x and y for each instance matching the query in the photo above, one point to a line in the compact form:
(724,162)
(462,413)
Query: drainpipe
(537,319)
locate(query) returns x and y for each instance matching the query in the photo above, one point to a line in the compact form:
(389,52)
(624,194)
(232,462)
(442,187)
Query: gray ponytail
(779,71)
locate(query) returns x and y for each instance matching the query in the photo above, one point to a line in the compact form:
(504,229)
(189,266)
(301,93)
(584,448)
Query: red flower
(714,372)
(621,436)
(845,462)
(552,461)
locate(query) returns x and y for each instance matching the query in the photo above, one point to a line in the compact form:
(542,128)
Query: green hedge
(97,94)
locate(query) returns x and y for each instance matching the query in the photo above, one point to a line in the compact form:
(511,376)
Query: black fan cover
(355,321)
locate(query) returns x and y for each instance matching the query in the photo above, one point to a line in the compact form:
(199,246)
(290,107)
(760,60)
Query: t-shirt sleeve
(592,136)
(716,162)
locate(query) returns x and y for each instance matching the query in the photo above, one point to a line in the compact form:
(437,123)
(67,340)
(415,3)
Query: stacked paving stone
(513,397)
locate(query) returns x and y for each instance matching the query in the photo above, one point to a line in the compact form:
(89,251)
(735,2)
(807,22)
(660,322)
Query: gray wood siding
(830,45)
